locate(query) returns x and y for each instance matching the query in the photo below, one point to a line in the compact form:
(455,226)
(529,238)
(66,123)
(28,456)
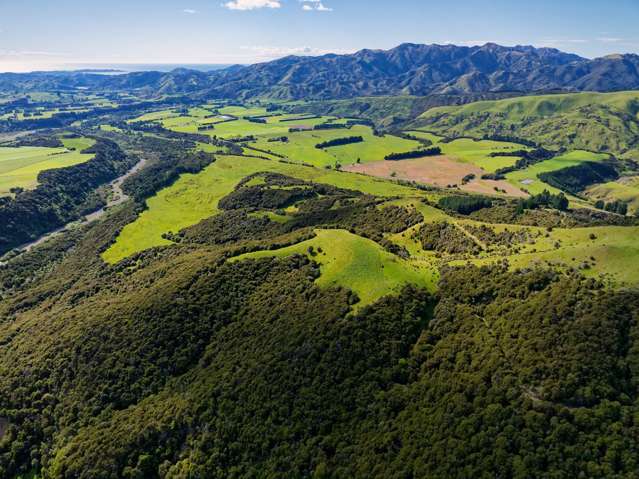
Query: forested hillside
(178,364)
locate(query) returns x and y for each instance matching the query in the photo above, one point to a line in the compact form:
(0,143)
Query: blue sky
(48,34)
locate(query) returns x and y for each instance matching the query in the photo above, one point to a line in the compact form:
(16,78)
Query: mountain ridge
(408,69)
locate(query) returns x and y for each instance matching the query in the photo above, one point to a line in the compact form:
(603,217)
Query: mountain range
(408,69)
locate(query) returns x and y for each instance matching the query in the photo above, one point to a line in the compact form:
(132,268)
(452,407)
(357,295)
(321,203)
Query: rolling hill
(345,287)
(601,122)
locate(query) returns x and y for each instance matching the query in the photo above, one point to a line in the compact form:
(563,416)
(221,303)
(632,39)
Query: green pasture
(19,167)
(301,146)
(195,197)
(477,152)
(528,177)
(356,263)
(155,116)
(242,111)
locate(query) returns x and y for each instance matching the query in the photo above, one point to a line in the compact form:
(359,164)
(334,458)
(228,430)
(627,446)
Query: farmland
(195,197)
(625,190)
(19,166)
(528,177)
(476,152)
(441,171)
(300,146)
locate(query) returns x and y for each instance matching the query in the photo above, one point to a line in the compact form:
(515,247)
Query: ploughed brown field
(436,170)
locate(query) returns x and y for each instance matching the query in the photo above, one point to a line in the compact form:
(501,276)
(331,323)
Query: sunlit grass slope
(356,263)
(19,167)
(195,197)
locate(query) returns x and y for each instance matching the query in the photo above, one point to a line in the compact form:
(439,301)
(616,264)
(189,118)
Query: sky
(57,34)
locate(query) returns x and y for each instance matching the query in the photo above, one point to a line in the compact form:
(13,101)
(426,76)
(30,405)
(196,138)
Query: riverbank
(116,197)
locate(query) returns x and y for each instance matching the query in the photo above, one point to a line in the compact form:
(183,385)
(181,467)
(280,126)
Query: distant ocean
(114,68)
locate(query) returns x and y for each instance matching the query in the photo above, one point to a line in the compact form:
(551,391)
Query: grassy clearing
(19,167)
(109,128)
(155,116)
(242,111)
(356,263)
(195,197)
(615,251)
(528,177)
(624,189)
(301,146)
(476,152)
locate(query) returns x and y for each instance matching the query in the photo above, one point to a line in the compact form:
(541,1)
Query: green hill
(601,122)
(181,364)
(247,316)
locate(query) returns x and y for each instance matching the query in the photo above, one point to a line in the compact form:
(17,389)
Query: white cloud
(314,6)
(252,4)
(190,11)
(610,39)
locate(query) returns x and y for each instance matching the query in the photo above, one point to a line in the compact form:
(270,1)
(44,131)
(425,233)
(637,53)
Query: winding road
(117,197)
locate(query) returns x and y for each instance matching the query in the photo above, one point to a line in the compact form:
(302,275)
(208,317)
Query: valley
(233,274)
